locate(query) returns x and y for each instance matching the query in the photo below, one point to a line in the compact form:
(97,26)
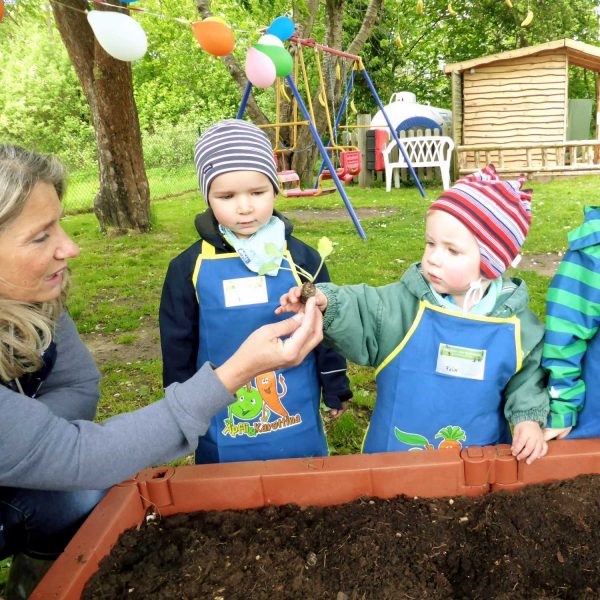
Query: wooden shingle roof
(579,54)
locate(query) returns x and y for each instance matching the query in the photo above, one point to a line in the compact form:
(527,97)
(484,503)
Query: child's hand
(528,441)
(336,413)
(290,302)
(559,433)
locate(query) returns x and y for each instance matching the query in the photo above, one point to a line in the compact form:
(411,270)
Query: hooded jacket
(572,322)
(179,311)
(367,323)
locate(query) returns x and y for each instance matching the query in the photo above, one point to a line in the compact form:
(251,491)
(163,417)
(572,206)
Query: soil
(540,542)
(105,348)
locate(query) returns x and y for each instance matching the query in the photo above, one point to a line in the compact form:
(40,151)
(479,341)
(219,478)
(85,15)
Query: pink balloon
(260,69)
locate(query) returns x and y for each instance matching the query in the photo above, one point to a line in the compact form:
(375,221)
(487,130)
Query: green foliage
(180,89)
(172,145)
(42,105)
(435,38)
(176,82)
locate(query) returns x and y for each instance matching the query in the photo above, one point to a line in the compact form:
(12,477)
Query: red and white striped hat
(495,211)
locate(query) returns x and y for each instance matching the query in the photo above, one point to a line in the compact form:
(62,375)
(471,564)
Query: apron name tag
(245,290)
(457,361)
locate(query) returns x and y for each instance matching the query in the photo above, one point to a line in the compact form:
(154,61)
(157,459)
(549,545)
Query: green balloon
(281,58)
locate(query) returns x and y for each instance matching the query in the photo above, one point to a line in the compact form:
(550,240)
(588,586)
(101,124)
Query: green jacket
(365,324)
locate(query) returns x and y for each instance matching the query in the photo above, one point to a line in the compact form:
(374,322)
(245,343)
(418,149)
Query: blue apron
(588,419)
(277,413)
(442,385)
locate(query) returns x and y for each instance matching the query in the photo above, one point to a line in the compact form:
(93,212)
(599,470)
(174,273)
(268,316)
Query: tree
(404,48)
(123,200)
(408,48)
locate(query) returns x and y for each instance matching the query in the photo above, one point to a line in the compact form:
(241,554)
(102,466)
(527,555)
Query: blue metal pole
(392,130)
(336,179)
(338,117)
(340,114)
(244,101)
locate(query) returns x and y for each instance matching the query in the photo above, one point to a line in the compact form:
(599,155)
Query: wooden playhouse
(513,109)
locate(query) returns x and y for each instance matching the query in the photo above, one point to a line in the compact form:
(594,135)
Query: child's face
(242,201)
(451,258)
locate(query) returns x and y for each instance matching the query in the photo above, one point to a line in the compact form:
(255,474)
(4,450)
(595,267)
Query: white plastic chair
(422,151)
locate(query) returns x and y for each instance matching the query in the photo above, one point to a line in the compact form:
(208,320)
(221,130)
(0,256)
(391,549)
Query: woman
(54,461)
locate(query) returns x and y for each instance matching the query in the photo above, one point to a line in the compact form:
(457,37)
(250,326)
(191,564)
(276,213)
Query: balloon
(260,69)
(120,35)
(270,40)
(1,10)
(281,58)
(214,36)
(282,27)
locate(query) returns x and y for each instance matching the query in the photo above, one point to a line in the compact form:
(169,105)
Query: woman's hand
(269,347)
(290,301)
(528,441)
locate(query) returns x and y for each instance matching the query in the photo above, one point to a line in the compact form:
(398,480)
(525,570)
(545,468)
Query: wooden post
(364,177)
(457,118)
(596,148)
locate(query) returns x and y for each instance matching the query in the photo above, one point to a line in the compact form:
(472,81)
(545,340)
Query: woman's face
(34,249)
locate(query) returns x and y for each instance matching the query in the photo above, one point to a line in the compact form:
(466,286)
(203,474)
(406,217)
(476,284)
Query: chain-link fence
(169,161)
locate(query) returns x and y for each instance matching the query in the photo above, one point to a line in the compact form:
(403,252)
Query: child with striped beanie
(215,293)
(455,346)
(498,215)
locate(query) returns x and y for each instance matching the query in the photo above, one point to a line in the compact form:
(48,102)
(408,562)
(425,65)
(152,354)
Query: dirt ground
(544,264)
(540,542)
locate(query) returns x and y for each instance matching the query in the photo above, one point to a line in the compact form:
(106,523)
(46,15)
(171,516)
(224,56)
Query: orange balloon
(1,10)
(214,37)
(216,19)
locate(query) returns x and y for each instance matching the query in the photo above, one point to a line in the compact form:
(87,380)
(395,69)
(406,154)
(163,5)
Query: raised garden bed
(323,482)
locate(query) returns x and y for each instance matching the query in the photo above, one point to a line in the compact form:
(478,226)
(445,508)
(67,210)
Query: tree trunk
(123,200)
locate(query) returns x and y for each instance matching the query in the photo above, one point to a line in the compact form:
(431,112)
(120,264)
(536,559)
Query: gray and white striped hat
(233,145)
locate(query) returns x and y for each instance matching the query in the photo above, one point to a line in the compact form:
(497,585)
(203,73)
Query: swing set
(348,156)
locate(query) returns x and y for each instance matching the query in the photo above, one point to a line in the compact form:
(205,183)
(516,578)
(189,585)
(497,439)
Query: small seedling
(324,248)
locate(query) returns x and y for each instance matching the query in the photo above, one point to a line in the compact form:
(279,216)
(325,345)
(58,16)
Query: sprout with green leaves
(324,248)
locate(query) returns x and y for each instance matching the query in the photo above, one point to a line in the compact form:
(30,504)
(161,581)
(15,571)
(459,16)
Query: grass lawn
(117,281)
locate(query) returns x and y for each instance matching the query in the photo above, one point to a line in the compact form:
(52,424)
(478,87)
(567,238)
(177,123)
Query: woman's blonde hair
(26,330)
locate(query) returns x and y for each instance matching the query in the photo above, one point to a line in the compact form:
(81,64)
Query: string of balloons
(124,38)
(268,59)
(121,36)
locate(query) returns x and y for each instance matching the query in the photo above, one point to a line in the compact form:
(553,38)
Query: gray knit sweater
(51,443)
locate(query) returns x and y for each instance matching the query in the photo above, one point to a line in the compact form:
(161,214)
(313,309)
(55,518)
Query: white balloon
(120,35)
(270,40)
